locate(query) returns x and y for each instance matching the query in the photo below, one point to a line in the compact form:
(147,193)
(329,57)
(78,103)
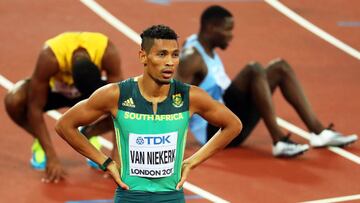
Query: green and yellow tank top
(63,46)
(151,146)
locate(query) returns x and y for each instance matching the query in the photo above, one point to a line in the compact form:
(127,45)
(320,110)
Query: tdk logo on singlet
(140,141)
(153,140)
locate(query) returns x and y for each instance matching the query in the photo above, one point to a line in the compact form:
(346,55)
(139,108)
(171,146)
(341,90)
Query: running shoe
(38,158)
(329,137)
(287,148)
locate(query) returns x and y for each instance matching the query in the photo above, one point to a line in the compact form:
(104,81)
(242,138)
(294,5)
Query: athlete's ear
(143,57)
(214,26)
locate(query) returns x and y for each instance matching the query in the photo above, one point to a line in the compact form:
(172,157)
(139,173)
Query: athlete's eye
(175,55)
(161,54)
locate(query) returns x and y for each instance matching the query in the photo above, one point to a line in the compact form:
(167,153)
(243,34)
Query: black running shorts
(240,104)
(57,100)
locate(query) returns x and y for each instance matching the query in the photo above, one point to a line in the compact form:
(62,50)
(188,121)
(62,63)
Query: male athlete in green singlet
(151,114)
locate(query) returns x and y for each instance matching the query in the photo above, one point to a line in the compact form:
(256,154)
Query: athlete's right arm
(103,102)
(46,67)
(217,114)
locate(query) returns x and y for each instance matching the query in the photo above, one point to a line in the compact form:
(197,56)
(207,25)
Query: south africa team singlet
(151,145)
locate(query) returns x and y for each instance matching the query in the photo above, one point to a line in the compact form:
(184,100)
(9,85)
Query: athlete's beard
(223,45)
(162,82)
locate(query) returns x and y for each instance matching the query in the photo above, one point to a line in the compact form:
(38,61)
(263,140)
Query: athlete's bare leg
(16,104)
(280,74)
(254,81)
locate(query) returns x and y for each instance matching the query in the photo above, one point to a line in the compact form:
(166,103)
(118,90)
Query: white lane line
(346,154)
(335,199)
(197,190)
(112,20)
(302,133)
(5,83)
(306,135)
(312,28)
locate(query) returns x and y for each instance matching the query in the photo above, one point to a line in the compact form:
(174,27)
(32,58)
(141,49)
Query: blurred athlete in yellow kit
(68,70)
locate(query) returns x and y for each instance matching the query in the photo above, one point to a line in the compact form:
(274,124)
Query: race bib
(152,155)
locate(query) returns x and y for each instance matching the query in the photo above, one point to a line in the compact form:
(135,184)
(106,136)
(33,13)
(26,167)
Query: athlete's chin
(166,78)
(223,46)
(164,81)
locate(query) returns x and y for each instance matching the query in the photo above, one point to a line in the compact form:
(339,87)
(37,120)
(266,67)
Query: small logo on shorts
(129,103)
(177,100)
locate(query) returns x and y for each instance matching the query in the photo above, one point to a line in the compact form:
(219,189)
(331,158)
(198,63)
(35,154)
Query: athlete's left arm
(217,114)
(111,63)
(102,102)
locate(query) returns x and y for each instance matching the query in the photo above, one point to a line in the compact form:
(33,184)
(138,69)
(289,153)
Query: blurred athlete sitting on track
(248,95)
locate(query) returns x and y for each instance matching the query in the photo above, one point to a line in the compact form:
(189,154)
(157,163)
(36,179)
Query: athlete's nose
(170,61)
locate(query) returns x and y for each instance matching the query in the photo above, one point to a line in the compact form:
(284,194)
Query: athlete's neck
(151,90)
(206,44)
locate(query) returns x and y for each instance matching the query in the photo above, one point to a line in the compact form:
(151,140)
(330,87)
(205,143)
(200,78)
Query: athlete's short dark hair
(156,32)
(213,14)
(86,76)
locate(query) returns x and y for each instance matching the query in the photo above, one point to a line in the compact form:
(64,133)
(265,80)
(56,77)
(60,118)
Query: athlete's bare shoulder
(106,97)
(192,68)
(111,90)
(191,56)
(199,99)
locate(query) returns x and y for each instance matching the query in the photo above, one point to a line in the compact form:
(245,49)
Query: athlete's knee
(280,66)
(10,102)
(14,103)
(254,65)
(255,69)
(252,72)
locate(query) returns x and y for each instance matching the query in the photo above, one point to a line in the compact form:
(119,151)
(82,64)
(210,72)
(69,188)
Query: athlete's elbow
(60,127)
(237,127)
